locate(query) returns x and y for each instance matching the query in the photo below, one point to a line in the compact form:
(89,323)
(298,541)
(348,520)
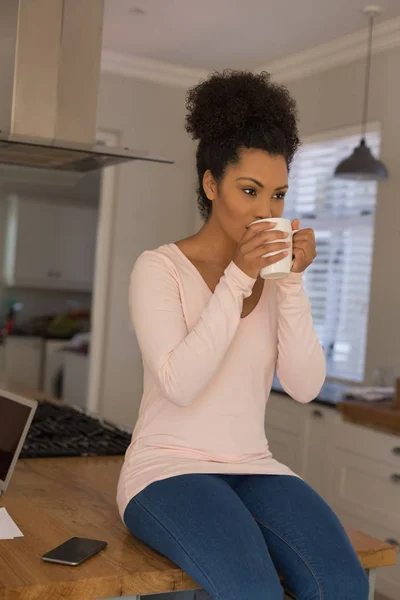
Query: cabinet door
(320,422)
(388,579)
(285,427)
(23,357)
(76,247)
(365,486)
(76,370)
(30,251)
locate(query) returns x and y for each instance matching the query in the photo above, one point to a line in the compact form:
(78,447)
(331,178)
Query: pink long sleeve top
(208,372)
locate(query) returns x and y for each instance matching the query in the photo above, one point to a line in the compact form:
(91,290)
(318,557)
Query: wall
(155,204)
(332,100)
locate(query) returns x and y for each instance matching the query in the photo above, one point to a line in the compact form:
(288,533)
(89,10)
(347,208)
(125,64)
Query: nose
(263,207)
(264,214)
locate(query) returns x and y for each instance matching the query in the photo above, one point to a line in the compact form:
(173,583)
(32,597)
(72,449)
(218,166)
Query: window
(338,283)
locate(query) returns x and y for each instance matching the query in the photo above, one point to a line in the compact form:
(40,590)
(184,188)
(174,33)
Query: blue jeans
(233,534)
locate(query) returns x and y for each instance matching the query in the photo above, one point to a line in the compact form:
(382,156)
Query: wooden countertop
(378,416)
(52,500)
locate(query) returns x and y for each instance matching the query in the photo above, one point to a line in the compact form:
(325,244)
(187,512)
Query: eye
(250,191)
(280,196)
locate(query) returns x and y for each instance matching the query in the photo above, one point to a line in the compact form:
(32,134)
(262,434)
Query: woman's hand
(251,248)
(304,251)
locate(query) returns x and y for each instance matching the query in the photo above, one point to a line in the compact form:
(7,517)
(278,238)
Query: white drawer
(370,489)
(368,443)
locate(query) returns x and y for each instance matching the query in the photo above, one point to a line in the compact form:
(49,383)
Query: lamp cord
(367,78)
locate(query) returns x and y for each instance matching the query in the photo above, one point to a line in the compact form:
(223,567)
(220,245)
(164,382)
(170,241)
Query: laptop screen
(13,418)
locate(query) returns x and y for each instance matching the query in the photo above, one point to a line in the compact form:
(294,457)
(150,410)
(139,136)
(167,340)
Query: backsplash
(36,303)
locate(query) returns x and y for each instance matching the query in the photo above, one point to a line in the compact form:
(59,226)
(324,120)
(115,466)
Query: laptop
(16,414)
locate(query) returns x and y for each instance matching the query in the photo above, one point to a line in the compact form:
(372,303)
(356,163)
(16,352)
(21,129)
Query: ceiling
(216,34)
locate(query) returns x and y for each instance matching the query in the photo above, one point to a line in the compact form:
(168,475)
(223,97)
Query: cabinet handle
(317,414)
(395,478)
(396,450)
(394,543)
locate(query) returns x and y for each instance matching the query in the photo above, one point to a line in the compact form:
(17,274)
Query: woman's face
(252,189)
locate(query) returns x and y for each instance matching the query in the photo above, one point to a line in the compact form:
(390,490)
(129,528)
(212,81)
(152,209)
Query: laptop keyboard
(64,431)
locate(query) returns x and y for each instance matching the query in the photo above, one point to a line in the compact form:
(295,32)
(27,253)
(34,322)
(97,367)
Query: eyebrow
(278,189)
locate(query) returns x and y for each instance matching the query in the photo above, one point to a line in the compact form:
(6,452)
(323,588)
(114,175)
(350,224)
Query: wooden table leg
(371,580)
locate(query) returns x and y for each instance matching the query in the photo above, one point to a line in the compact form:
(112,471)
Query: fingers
(304,251)
(262,226)
(255,229)
(270,260)
(263,259)
(263,245)
(296,224)
(304,234)
(261,238)
(304,241)
(270,248)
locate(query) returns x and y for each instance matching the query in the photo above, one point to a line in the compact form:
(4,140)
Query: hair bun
(227,103)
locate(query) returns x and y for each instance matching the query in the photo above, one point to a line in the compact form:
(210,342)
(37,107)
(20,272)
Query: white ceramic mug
(283,266)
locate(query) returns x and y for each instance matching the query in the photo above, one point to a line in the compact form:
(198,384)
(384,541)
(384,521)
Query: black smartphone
(74,551)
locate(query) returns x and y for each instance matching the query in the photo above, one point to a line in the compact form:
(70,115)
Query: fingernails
(267,224)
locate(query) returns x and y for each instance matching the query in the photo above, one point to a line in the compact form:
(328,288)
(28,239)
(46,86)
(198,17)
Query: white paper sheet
(8,529)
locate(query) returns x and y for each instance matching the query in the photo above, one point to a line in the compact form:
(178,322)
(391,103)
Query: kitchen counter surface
(54,499)
(42,336)
(377,416)
(330,395)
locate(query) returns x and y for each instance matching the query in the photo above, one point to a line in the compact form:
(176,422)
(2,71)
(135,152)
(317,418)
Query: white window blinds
(338,283)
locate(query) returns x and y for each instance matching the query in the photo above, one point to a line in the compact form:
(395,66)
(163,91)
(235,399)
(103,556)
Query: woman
(199,483)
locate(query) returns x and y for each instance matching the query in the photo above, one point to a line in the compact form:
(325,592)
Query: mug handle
(293,232)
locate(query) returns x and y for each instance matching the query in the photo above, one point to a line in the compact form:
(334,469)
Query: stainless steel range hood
(50,53)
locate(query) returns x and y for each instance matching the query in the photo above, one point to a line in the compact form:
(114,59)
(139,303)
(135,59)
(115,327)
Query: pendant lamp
(362,165)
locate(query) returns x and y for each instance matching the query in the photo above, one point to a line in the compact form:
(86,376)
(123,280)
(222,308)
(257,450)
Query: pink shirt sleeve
(301,362)
(183,362)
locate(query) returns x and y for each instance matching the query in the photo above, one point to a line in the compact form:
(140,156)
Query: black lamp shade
(362,166)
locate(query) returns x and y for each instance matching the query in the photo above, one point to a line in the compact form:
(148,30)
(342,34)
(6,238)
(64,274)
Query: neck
(217,246)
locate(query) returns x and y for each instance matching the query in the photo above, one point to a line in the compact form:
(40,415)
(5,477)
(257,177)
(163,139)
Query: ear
(209,185)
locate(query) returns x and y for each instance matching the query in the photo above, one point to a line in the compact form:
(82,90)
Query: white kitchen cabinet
(75,385)
(23,361)
(53,365)
(356,469)
(298,436)
(320,421)
(285,427)
(365,475)
(49,245)
(30,243)
(388,579)
(77,246)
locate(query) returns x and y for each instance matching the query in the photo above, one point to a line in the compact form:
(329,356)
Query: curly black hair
(232,110)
